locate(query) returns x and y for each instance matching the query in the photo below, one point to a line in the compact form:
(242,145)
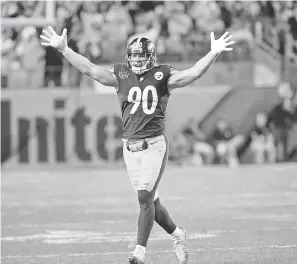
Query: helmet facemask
(140,62)
(140,55)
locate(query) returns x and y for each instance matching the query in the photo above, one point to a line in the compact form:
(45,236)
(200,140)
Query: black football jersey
(143,100)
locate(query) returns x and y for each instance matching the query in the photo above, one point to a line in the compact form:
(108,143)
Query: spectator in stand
(262,141)
(53,60)
(282,120)
(22,8)
(53,68)
(226,14)
(179,26)
(30,55)
(58,71)
(241,30)
(180,150)
(7,48)
(92,21)
(147,22)
(209,18)
(202,150)
(117,19)
(226,143)
(292,21)
(76,42)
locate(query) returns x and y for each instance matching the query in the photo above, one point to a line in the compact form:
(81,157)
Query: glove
(54,40)
(221,44)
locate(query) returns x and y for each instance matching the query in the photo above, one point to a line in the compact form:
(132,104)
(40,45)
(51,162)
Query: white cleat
(137,258)
(180,249)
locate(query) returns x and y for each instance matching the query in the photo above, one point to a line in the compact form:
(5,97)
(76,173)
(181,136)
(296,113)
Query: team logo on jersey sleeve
(124,74)
(159,76)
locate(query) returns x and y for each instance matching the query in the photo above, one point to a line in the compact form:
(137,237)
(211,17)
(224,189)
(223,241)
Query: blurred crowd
(96,30)
(267,141)
(180,29)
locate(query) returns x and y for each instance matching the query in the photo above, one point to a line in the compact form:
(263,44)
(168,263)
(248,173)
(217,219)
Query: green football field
(83,216)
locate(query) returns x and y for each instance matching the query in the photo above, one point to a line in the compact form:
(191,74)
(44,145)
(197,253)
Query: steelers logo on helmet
(140,55)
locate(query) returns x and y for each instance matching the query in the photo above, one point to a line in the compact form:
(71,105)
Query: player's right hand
(51,38)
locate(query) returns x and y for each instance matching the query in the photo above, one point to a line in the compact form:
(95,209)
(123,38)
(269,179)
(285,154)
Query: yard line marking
(64,224)
(149,251)
(85,237)
(89,237)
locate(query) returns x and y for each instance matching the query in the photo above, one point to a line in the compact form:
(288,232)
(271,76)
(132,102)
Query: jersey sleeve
(112,69)
(172,70)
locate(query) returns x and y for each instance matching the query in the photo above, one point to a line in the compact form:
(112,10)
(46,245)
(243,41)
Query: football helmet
(140,55)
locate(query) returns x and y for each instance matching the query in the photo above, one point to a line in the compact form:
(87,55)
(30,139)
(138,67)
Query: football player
(143,89)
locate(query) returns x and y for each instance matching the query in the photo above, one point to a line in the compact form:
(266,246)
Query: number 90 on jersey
(137,97)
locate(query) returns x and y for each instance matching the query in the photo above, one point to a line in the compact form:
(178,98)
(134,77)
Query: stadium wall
(221,73)
(41,128)
(67,127)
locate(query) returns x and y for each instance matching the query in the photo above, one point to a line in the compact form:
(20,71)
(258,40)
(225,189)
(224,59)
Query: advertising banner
(60,127)
(41,128)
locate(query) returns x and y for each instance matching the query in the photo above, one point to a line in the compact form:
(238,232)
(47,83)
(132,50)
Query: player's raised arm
(101,74)
(186,77)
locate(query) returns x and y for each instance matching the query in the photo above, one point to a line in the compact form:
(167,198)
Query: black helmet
(144,47)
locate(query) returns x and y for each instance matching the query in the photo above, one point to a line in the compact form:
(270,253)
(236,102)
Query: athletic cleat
(137,258)
(181,251)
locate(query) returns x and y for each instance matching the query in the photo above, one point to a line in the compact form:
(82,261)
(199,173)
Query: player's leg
(152,167)
(161,214)
(133,163)
(151,163)
(178,234)
(163,218)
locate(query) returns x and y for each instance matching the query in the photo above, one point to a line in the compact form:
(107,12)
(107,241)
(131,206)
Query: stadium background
(61,150)
(40,89)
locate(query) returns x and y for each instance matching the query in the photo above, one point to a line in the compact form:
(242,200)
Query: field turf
(85,216)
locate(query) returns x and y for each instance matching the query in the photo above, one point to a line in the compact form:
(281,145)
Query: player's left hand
(221,44)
